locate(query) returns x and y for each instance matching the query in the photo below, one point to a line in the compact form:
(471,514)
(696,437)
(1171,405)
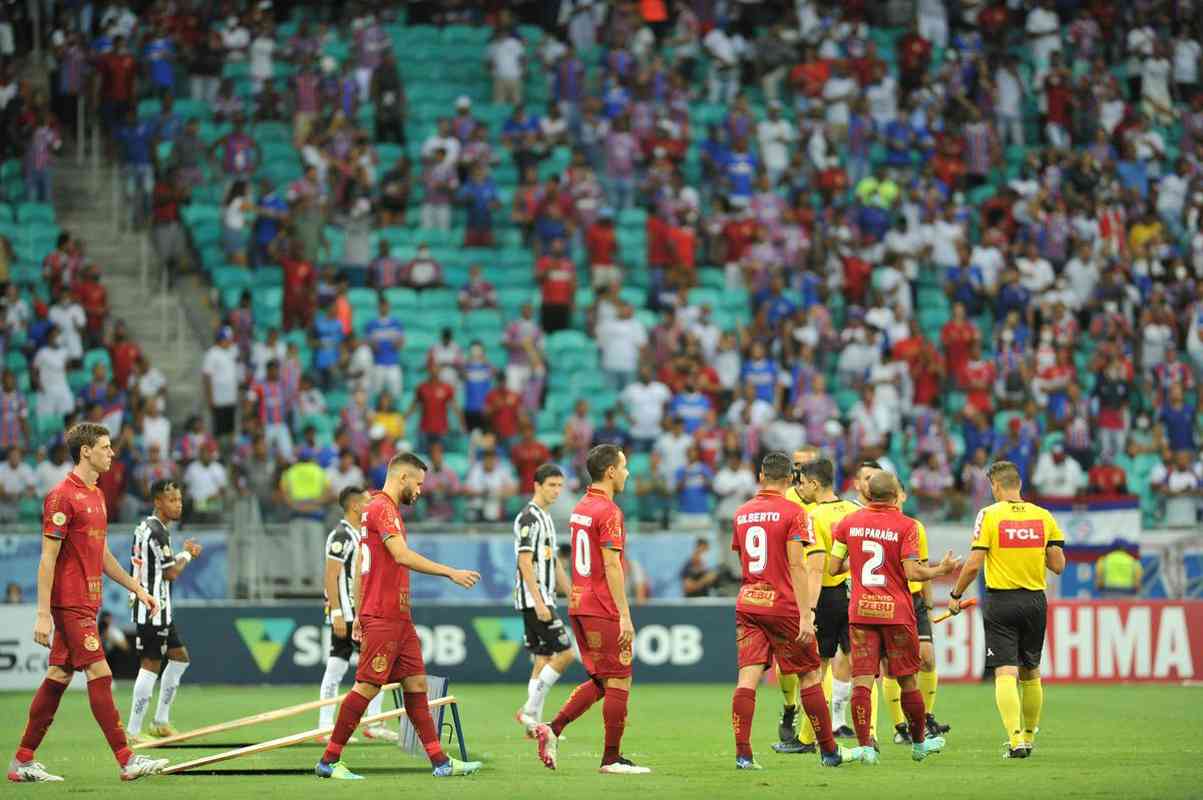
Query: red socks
(349,714)
(862,714)
(614,717)
(100,697)
(417,708)
(581,700)
(916,713)
(41,715)
(743,707)
(815,703)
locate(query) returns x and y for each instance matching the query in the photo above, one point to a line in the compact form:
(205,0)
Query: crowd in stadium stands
(976,233)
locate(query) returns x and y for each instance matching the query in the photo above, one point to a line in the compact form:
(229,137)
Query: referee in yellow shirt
(1016,541)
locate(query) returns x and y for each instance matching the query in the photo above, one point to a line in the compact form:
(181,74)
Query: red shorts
(76,642)
(390,651)
(597,639)
(762,638)
(898,643)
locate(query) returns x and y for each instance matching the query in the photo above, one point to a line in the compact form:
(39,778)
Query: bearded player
(75,553)
(390,651)
(600,615)
(774,613)
(879,546)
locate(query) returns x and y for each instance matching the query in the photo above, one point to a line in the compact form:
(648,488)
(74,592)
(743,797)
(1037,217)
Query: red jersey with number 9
(876,540)
(596,524)
(385,582)
(763,528)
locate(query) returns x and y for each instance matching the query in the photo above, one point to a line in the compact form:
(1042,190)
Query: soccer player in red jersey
(75,552)
(879,546)
(775,613)
(598,610)
(389,649)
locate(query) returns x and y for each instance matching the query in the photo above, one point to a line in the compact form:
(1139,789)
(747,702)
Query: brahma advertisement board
(1097,641)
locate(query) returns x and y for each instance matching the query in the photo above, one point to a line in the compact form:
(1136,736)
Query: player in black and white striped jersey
(342,558)
(539,574)
(156,567)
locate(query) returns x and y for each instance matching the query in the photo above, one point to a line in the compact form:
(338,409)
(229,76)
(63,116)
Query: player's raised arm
(918,571)
(401,553)
(44,626)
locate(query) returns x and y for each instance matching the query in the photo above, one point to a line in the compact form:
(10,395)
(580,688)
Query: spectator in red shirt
(602,247)
(556,275)
(914,54)
(976,379)
(503,412)
(1106,477)
(170,240)
(739,232)
(926,366)
(957,337)
(527,455)
(94,299)
(124,353)
(300,288)
(118,73)
(437,401)
(1058,94)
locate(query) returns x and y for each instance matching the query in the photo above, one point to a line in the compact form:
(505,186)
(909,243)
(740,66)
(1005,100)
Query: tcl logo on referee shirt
(1022,533)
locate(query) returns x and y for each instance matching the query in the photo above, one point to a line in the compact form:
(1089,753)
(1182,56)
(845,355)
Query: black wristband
(955,596)
(814,609)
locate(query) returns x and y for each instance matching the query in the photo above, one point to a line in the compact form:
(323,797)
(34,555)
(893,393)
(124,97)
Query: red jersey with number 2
(764,526)
(596,524)
(878,538)
(385,582)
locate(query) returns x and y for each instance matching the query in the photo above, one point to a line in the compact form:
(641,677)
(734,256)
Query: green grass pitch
(1095,742)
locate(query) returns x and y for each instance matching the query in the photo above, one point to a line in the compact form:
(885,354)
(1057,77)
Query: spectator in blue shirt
(159,53)
(480,199)
(898,137)
(779,306)
(311,450)
(1177,419)
(386,336)
(328,339)
(518,125)
(273,213)
(1013,296)
(693,486)
(611,432)
(760,371)
(965,283)
(690,405)
(1132,172)
(739,168)
(478,381)
(136,138)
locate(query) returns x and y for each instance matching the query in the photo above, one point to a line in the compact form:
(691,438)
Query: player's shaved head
(406,461)
(1004,474)
(776,468)
(347,495)
(883,487)
(821,471)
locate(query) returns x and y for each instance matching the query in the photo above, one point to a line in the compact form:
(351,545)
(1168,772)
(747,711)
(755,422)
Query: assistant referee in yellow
(1017,542)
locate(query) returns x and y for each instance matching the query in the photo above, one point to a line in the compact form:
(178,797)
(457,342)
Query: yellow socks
(873,711)
(789,688)
(1032,693)
(1006,697)
(927,685)
(893,693)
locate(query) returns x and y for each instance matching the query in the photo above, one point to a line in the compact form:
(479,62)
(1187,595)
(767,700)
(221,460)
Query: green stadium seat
(401,300)
(97,355)
(35,212)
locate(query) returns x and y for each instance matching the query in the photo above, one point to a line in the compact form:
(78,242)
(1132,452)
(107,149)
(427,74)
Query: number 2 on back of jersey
(581,552)
(869,576)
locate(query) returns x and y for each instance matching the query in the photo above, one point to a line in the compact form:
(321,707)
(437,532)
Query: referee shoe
(1022,751)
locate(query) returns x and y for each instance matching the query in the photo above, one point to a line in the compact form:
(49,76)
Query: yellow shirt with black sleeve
(824,517)
(917,586)
(1014,536)
(792,495)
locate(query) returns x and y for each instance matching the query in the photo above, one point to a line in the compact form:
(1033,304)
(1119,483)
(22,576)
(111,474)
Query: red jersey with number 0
(76,514)
(763,528)
(878,539)
(385,582)
(596,524)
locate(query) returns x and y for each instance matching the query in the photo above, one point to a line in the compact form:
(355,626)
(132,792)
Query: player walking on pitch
(390,650)
(774,613)
(342,550)
(879,546)
(156,567)
(1017,542)
(601,618)
(75,553)
(539,574)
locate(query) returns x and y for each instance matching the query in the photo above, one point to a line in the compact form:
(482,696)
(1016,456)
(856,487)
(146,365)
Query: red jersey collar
(385,495)
(597,492)
(769,493)
(883,507)
(78,481)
